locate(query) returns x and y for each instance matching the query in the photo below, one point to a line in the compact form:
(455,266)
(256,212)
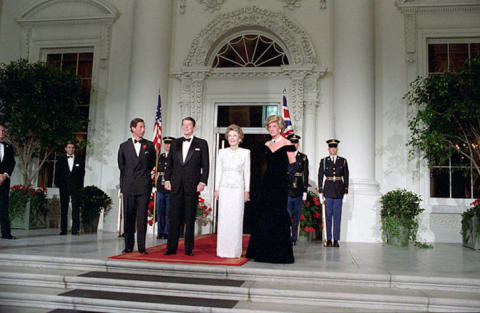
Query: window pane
(54,60)
(86,89)
(85,65)
(269,110)
(461,184)
(475,50)
(437,58)
(243,116)
(439,183)
(459,159)
(458,54)
(70,62)
(476,184)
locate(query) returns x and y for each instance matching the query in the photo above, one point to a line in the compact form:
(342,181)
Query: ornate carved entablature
(44,13)
(411,9)
(300,47)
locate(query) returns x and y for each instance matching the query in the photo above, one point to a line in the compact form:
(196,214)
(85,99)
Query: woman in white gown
(232,186)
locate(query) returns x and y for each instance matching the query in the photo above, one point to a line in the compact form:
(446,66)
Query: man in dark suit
(298,187)
(69,177)
(186,176)
(7,165)
(163,195)
(136,159)
(335,169)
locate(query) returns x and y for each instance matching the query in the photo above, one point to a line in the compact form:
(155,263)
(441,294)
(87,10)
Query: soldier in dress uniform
(163,195)
(335,170)
(298,188)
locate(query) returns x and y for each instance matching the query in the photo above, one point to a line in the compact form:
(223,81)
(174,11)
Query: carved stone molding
(292,4)
(181,6)
(410,20)
(26,38)
(300,47)
(211,5)
(323,4)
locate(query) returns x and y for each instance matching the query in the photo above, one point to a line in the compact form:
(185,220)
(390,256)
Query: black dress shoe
(329,243)
(159,236)
(168,252)
(335,244)
(189,252)
(63,233)
(74,233)
(126,250)
(165,236)
(143,251)
(9,237)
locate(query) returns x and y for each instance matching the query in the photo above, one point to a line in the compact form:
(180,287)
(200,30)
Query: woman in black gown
(270,240)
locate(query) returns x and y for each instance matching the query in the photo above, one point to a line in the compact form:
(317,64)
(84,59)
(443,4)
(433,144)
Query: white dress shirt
(70,161)
(137,146)
(2,151)
(333,158)
(185,147)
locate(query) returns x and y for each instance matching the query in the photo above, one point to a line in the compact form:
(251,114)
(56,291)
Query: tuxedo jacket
(7,164)
(194,170)
(333,189)
(66,180)
(135,171)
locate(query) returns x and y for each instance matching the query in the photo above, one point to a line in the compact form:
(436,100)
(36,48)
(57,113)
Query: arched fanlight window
(250,50)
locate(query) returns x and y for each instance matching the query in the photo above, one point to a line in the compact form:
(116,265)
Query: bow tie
(137,141)
(69,156)
(187,139)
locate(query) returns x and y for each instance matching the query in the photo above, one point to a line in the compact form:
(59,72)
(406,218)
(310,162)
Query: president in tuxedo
(7,164)
(186,176)
(136,159)
(69,177)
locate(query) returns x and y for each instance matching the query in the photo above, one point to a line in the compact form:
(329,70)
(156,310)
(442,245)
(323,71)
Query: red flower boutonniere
(144,147)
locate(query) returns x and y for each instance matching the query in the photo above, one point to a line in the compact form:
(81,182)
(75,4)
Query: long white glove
(304,196)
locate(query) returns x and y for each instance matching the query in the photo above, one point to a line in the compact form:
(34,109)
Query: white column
(149,65)
(354,111)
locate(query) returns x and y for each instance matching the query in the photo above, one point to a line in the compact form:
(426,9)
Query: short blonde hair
(236,129)
(275,119)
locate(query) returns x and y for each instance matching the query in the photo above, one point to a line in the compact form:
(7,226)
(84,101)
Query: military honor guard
(335,170)
(163,195)
(298,188)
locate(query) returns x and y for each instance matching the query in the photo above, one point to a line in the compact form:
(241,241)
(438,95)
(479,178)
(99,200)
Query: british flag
(157,127)
(286,118)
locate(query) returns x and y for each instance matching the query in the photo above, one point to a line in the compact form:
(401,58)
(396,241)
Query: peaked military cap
(333,143)
(168,139)
(294,138)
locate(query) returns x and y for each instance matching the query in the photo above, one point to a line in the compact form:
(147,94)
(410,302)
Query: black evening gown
(270,239)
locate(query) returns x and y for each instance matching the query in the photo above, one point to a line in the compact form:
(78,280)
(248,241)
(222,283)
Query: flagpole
(155,193)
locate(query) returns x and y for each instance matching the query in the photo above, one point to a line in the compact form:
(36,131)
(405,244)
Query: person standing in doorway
(335,170)
(186,176)
(136,159)
(163,195)
(7,165)
(297,190)
(69,177)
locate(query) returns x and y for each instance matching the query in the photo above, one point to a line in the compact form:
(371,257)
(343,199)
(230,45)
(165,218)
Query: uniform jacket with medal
(135,171)
(299,181)
(195,169)
(161,168)
(7,165)
(336,182)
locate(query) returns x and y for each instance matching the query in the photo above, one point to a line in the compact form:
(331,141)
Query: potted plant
(92,201)
(471,226)
(202,214)
(28,207)
(311,217)
(399,212)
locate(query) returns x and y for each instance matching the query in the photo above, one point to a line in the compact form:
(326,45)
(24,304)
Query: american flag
(157,127)
(286,117)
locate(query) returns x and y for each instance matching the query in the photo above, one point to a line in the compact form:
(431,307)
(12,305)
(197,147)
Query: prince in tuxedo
(186,176)
(136,159)
(7,164)
(69,177)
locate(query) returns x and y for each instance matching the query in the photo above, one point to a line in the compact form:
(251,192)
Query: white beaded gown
(232,181)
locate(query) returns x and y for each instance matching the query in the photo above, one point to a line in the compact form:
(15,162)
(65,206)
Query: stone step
(287,292)
(386,280)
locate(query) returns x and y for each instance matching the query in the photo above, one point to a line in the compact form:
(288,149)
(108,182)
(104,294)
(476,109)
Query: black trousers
(65,195)
(183,208)
(136,207)
(4,219)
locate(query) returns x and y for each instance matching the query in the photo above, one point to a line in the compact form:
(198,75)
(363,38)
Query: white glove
(154,189)
(304,197)
(345,198)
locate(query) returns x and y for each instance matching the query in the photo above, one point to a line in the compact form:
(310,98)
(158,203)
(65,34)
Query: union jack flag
(286,118)
(157,127)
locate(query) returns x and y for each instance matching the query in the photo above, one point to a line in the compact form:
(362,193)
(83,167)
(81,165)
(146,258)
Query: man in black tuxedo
(186,176)
(136,159)
(7,164)
(69,177)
